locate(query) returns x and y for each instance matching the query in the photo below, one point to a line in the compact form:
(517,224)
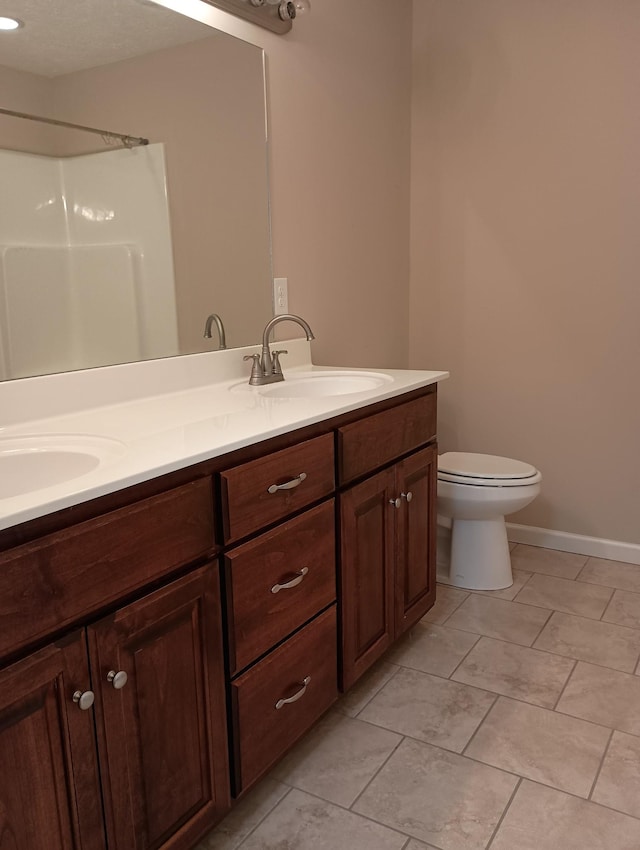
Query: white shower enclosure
(86,264)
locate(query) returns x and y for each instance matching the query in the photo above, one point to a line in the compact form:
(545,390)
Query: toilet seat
(480,470)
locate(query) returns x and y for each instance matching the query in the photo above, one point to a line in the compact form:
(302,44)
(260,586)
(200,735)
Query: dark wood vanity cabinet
(387,531)
(156,666)
(151,682)
(281,601)
(49,780)
(163,647)
(114,735)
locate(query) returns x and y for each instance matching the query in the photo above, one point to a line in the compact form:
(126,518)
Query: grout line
(564,687)
(453,611)
(384,763)
(464,658)
(600,766)
(613,590)
(479,726)
(261,821)
(504,813)
(377,691)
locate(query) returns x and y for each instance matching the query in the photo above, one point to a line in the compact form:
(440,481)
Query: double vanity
(189,576)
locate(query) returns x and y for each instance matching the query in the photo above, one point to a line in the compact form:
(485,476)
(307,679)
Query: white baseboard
(595,547)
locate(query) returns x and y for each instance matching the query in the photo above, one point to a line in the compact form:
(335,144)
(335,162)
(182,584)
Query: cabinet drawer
(262,609)
(263,491)
(262,731)
(56,580)
(379,439)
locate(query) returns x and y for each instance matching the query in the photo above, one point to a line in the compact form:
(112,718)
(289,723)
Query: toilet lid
(490,467)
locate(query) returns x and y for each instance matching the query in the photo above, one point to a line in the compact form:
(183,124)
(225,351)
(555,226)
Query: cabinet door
(49,787)
(162,735)
(416,482)
(366,573)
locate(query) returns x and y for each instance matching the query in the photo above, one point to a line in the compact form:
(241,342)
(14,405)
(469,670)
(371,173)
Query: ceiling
(63,36)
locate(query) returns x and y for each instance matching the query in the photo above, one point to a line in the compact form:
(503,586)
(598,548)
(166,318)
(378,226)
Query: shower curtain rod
(127,141)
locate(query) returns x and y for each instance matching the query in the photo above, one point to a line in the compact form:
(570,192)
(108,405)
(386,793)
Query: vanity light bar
(107,135)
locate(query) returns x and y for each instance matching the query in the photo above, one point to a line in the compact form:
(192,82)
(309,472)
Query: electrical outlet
(280,296)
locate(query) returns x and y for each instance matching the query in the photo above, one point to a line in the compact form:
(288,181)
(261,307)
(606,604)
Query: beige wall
(339,89)
(525,243)
(28,93)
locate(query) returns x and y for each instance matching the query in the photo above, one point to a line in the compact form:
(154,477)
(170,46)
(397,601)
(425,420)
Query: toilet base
(480,558)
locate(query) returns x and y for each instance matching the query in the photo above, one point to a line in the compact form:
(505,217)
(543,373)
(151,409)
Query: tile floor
(503,721)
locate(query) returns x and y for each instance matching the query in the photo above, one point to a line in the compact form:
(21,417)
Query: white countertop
(156,417)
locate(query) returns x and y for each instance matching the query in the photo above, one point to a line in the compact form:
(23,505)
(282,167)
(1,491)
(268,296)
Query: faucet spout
(265,357)
(215,318)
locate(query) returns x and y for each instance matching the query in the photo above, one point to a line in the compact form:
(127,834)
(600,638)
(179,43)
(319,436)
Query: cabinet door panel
(49,788)
(163,735)
(366,573)
(416,538)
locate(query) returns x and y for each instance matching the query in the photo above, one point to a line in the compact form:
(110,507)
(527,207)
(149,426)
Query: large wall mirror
(112,254)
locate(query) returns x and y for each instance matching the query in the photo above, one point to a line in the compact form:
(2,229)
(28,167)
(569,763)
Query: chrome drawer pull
(293,583)
(288,485)
(296,696)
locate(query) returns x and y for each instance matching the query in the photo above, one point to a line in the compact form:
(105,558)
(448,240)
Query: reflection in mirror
(111,254)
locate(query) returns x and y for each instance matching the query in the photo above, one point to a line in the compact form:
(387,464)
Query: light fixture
(8,24)
(288,10)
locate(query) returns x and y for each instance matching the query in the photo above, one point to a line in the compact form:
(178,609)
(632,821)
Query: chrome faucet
(214,317)
(266,367)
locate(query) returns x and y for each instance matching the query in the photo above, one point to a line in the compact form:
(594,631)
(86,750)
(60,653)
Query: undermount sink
(325,384)
(32,463)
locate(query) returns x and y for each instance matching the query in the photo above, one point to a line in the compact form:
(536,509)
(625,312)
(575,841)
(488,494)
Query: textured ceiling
(61,36)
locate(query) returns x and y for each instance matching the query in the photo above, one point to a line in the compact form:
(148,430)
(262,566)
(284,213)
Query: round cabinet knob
(395,502)
(118,680)
(84,699)
(408,496)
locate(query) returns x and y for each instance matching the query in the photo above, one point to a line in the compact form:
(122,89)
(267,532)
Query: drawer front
(56,580)
(278,582)
(377,440)
(262,731)
(263,491)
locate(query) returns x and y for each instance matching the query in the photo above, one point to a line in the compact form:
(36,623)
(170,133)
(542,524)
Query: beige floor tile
(433,649)
(438,797)
(547,561)
(520,578)
(618,785)
(447,600)
(232,831)
(302,822)
(572,597)
(429,708)
(541,818)
(499,618)
(418,845)
(541,745)
(600,643)
(337,758)
(611,574)
(603,696)
(366,688)
(624,609)
(515,671)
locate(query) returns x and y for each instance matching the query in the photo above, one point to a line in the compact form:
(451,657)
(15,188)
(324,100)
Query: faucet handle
(276,368)
(256,368)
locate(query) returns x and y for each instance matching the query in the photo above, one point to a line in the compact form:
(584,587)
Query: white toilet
(476,492)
